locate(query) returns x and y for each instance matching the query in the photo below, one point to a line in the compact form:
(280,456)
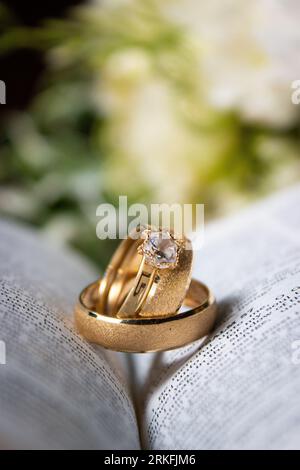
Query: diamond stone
(160,249)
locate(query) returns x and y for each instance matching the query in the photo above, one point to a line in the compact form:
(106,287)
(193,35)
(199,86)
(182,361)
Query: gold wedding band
(135,307)
(158,267)
(147,334)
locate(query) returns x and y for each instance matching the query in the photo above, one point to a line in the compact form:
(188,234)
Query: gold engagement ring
(137,305)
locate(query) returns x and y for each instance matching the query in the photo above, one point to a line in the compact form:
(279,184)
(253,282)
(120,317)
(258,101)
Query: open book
(238,388)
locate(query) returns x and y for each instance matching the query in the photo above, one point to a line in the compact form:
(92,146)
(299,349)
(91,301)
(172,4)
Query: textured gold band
(151,292)
(158,333)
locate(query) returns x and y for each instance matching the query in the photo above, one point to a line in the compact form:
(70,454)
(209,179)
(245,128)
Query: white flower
(230,55)
(249,53)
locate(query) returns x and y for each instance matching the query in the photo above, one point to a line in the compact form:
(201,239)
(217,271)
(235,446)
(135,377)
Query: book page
(240,388)
(56,390)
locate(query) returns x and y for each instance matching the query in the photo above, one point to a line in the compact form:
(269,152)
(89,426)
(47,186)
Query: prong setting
(160,248)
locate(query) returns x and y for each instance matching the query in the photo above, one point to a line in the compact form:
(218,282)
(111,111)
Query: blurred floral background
(162,101)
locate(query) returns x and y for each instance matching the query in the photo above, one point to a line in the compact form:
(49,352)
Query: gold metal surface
(157,333)
(153,292)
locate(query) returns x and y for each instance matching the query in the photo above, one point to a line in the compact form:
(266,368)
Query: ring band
(158,333)
(155,290)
